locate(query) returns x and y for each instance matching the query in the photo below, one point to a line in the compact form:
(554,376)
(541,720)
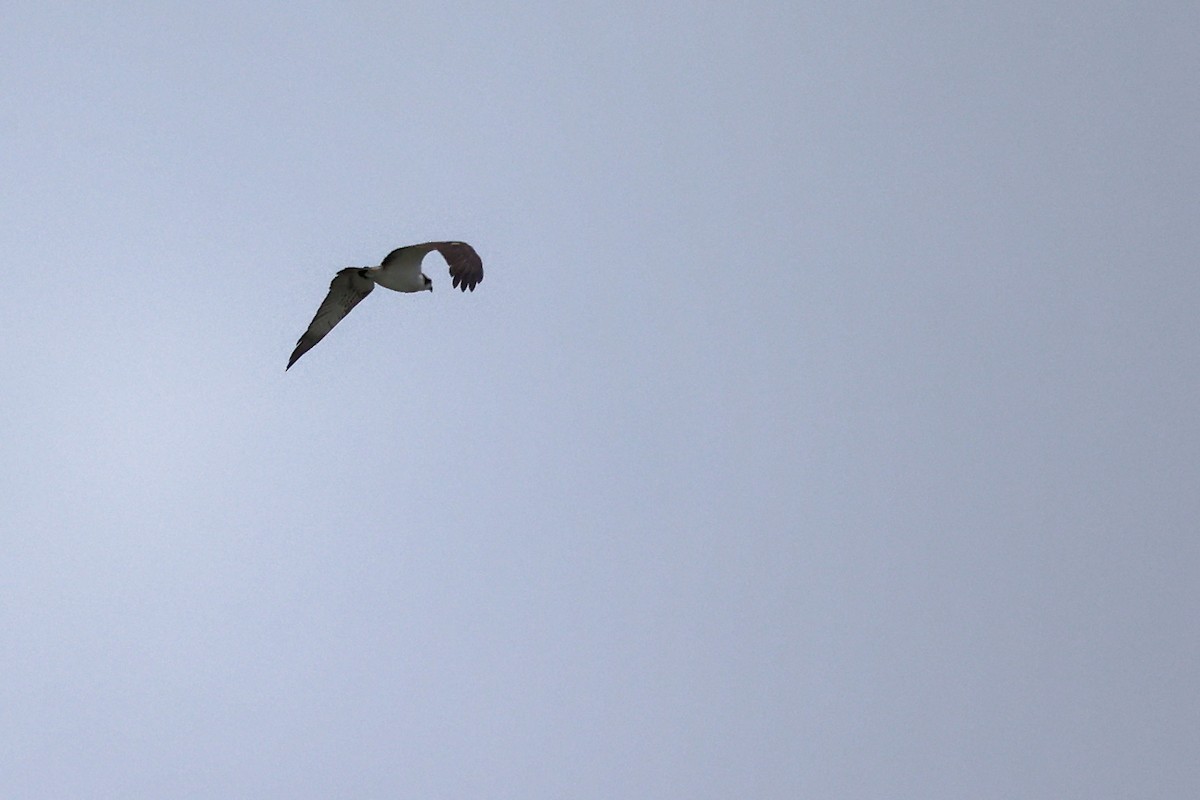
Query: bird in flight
(400,272)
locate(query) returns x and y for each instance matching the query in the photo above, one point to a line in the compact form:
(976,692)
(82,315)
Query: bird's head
(428,283)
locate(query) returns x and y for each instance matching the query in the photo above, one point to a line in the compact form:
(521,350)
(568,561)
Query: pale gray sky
(826,425)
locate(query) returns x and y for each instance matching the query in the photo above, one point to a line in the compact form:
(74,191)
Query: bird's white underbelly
(399,282)
(401,275)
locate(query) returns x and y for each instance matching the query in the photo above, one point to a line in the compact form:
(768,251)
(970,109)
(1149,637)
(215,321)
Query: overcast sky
(826,424)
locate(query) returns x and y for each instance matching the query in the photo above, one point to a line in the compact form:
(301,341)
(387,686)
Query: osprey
(400,272)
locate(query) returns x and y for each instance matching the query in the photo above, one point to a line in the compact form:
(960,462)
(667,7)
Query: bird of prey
(400,272)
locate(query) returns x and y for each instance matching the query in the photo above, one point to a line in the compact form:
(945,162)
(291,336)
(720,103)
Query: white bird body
(403,273)
(400,272)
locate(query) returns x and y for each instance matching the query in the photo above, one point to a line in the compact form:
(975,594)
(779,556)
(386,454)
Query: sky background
(825,426)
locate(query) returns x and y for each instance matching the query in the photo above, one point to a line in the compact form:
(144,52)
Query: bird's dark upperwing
(345,291)
(466,267)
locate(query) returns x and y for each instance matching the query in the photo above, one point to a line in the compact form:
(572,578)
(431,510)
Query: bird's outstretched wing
(346,289)
(466,267)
